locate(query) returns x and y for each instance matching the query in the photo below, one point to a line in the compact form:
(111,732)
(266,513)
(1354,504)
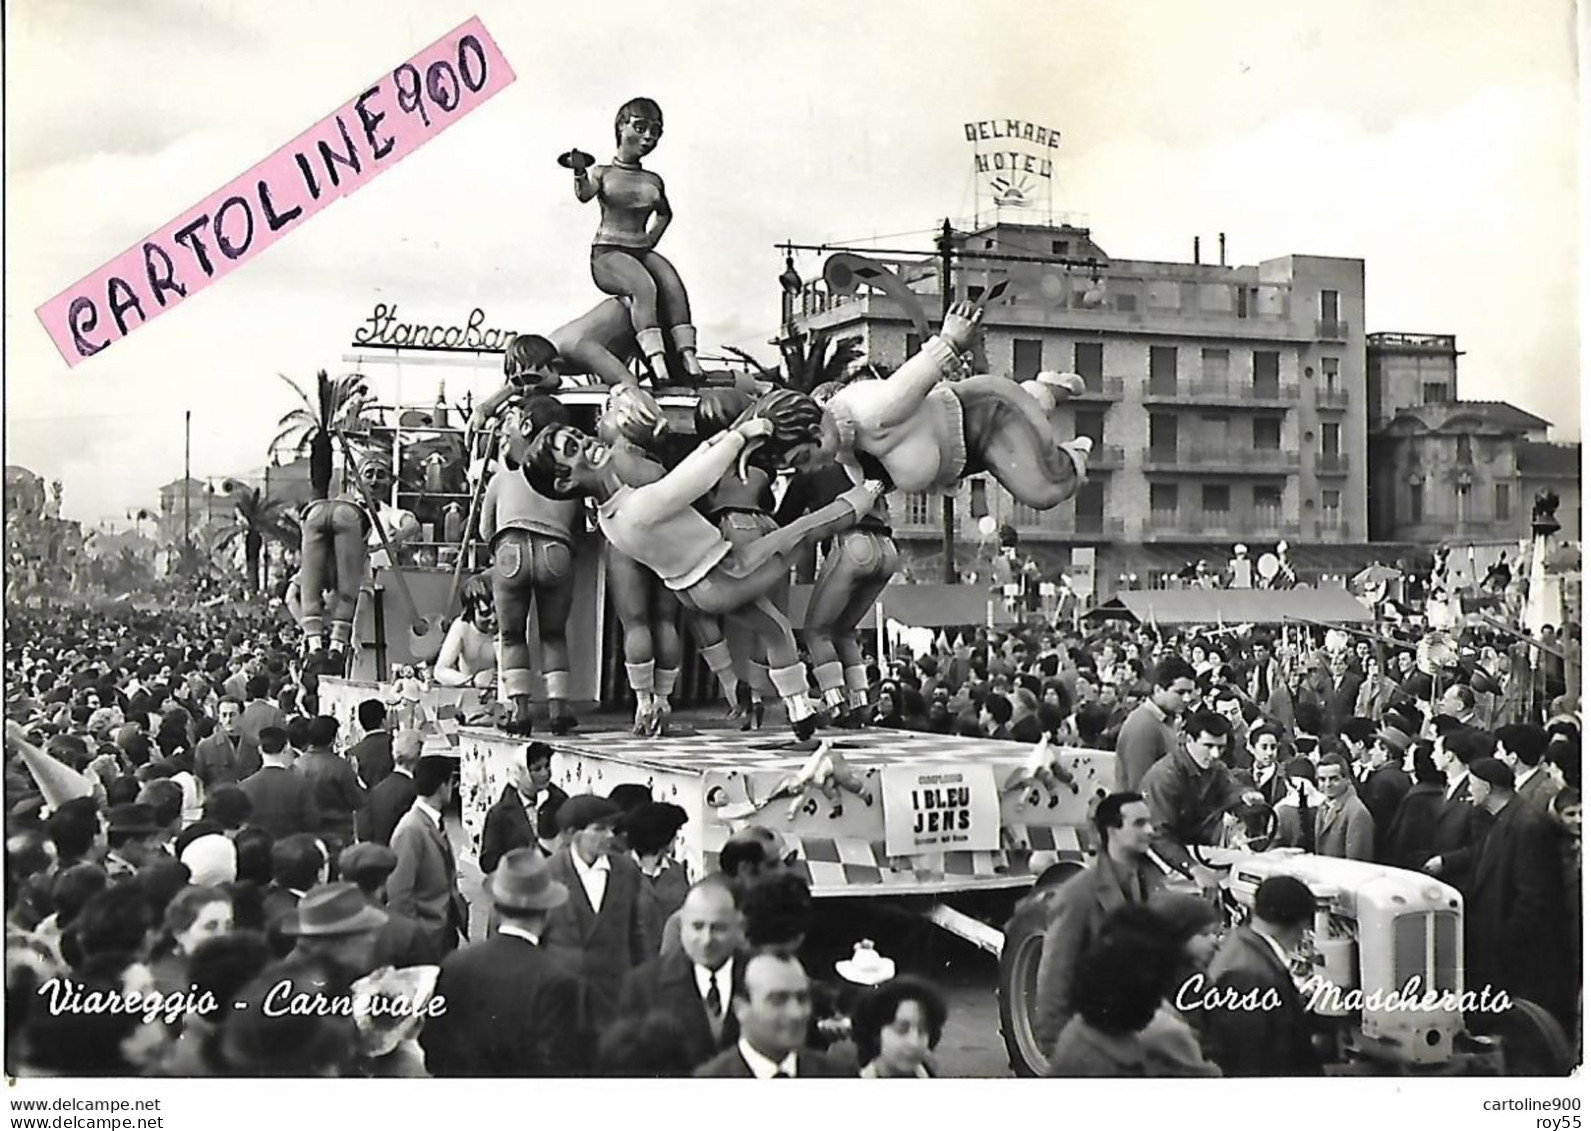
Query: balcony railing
(1239,461)
(1064,521)
(1333,399)
(1106,457)
(1331,463)
(1104,389)
(1331,330)
(1212,391)
(1244,524)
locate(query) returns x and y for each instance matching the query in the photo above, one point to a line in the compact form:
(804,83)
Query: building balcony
(1106,457)
(1331,463)
(1331,330)
(1219,524)
(1218,392)
(1102,389)
(1276,461)
(1331,400)
(1062,521)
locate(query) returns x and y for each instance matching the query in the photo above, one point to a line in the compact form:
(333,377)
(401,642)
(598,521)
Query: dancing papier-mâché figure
(857,566)
(657,525)
(635,214)
(532,546)
(632,426)
(742,509)
(921,432)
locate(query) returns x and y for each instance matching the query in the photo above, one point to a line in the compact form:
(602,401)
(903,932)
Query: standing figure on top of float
(335,555)
(857,566)
(926,432)
(531,539)
(657,525)
(635,214)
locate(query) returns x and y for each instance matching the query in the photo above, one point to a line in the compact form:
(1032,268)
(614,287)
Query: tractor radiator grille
(1426,946)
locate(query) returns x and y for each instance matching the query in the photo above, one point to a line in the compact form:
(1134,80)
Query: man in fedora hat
(604,925)
(513,1004)
(335,924)
(424,883)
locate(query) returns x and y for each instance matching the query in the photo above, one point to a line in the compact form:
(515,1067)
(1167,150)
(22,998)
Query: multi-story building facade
(1444,469)
(1226,404)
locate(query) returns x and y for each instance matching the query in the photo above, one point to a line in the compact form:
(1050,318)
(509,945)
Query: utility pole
(187,485)
(948,503)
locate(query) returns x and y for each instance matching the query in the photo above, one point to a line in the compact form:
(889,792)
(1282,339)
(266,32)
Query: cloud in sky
(1436,141)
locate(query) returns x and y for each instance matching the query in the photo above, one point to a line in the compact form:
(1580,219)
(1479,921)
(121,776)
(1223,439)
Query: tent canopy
(920,605)
(1232,607)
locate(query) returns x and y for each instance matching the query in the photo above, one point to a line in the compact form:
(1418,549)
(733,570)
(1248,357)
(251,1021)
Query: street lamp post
(947,512)
(187,487)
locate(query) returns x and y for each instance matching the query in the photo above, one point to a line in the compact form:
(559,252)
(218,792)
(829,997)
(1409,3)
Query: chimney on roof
(1223,249)
(1195,251)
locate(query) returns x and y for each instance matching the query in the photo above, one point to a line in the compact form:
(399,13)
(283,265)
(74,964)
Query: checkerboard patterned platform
(734,750)
(840,848)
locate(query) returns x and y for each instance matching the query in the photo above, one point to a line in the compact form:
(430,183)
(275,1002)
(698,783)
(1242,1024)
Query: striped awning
(1233,606)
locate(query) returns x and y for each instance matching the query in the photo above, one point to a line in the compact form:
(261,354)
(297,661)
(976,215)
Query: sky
(1436,141)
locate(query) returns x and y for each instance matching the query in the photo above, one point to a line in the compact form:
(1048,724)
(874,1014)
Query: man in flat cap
(1516,919)
(132,835)
(603,928)
(513,1001)
(402,941)
(424,883)
(1252,968)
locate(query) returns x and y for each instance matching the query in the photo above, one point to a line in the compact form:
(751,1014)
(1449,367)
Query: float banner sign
(380,126)
(949,807)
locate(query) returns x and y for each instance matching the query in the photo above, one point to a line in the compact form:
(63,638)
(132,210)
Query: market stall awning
(1232,607)
(921,605)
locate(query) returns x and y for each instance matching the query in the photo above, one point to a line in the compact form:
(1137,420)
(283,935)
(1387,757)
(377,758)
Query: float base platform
(726,779)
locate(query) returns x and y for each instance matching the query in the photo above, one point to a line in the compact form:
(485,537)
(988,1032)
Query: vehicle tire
(1019,973)
(1534,1043)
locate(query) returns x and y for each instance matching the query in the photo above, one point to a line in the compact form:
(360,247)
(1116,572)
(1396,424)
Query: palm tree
(811,358)
(255,518)
(338,406)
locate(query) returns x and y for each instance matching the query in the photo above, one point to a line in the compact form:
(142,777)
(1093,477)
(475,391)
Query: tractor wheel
(1019,974)
(1533,1041)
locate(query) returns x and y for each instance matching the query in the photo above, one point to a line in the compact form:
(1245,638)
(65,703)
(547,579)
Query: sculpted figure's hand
(755,429)
(632,413)
(577,160)
(961,325)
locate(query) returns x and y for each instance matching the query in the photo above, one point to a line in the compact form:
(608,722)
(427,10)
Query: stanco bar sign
(383,328)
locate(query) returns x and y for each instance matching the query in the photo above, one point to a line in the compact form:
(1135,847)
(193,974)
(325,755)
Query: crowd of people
(192,865)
